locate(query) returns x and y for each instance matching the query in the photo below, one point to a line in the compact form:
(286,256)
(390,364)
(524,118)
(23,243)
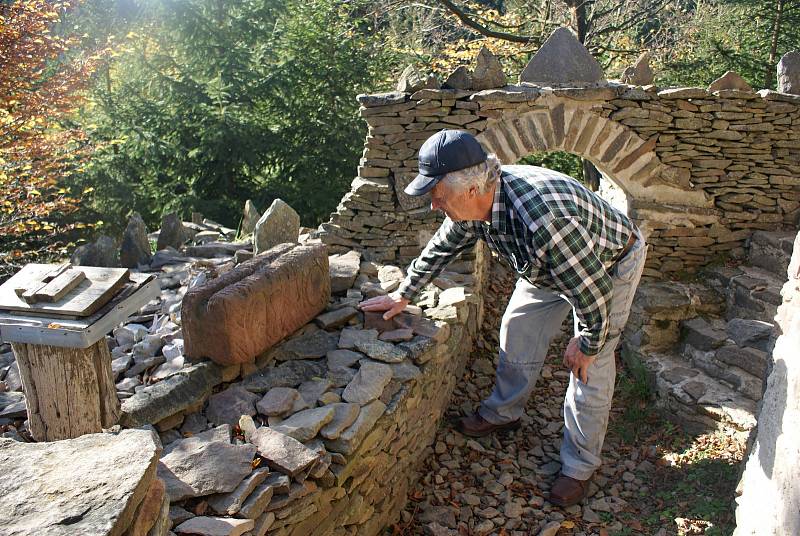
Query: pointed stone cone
(488,72)
(730,80)
(250,218)
(562,60)
(789,73)
(460,78)
(640,73)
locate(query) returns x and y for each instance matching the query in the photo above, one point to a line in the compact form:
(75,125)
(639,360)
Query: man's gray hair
(482,176)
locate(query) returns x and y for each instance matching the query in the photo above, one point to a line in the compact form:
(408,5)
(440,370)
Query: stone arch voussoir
(616,150)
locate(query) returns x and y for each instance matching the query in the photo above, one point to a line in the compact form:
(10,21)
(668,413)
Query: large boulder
(135,249)
(91,485)
(235,317)
(279,224)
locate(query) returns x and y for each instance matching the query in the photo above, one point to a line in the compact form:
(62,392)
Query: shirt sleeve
(579,274)
(451,239)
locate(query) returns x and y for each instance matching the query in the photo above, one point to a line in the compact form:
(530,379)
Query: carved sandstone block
(237,316)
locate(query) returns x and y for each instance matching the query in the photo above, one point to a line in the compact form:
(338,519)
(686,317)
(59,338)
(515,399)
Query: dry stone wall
(701,170)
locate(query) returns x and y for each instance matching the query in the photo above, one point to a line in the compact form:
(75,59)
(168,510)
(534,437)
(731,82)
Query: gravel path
(499,484)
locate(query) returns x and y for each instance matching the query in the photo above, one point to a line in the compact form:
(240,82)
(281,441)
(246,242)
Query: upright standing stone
(102,252)
(460,78)
(171,233)
(135,249)
(250,218)
(640,73)
(562,60)
(488,72)
(789,73)
(730,80)
(279,224)
(412,80)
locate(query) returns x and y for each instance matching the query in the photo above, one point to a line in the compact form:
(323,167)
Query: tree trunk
(770,68)
(69,391)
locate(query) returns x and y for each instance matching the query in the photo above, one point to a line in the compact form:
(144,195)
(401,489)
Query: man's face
(449,202)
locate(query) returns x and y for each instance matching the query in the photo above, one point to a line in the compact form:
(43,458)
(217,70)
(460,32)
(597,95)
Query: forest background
(109,107)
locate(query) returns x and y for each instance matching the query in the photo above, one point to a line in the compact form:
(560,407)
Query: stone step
(771,251)
(751,292)
(735,353)
(694,398)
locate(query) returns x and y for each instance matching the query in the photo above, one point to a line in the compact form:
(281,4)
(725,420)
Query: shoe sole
(499,428)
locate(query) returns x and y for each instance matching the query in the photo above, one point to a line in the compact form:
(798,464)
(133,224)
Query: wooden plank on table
(84,332)
(60,286)
(100,285)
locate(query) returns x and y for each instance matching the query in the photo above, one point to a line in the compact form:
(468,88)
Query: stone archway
(615,149)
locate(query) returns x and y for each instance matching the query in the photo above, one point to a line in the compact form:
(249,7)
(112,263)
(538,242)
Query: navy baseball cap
(446,151)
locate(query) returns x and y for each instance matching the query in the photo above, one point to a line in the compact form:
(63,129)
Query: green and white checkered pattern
(552,231)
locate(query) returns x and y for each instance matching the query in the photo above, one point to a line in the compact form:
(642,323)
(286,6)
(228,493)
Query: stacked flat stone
(701,169)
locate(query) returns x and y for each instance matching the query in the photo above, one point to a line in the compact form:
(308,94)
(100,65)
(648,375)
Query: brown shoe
(476,426)
(567,491)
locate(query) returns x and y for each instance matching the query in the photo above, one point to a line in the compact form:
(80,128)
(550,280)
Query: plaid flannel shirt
(553,231)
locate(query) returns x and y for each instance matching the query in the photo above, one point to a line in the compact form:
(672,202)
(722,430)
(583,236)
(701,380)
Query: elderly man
(571,250)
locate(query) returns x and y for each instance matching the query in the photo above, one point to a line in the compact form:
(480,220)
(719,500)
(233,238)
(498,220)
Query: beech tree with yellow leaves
(41,87)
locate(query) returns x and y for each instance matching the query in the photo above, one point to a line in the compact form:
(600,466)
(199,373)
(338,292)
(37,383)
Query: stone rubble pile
(327,425)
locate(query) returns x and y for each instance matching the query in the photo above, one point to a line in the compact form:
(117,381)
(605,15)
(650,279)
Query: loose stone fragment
(283,453)
(343,359)
(230,503)
(343,270)
(311,346)
(303,426)
(368,383)
(278,401)
(351,438)
(203,465)
(344,415)
(227,406)
(313,389)
(382,351)
(215,526)
(350,337)
(336,318)
(287,374)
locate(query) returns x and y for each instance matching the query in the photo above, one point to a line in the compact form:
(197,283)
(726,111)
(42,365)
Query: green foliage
(705,47)
(207,104)
(566,163)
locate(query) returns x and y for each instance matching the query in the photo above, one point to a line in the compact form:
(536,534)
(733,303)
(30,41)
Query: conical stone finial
(640,73)
(730,80)
(562,60)
(789,73)
(488,72)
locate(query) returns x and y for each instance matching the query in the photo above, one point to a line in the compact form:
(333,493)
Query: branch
(483,30)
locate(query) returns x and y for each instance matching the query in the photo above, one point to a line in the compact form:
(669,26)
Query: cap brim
(422,184)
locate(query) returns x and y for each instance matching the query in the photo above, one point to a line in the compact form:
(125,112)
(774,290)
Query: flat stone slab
(167,397)
(382,351)
(90,485)
(344,415)
(215,526)
(230,503)
(286,374)
(239,315)
(278,401)
(344,270)
(368,383)
(304,425)
(283,453)
(227,406)
(350,439)
(204,465)
(311,346)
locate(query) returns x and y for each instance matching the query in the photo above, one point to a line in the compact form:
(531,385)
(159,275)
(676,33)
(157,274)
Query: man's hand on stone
(393,304)
(577,361)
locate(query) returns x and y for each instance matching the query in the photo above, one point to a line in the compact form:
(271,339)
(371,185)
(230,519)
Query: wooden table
(60,345)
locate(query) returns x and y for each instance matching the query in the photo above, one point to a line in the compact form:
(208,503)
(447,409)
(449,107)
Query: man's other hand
(577,361)
(393,304)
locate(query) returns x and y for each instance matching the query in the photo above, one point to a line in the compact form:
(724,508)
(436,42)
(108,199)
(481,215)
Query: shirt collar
(499,207)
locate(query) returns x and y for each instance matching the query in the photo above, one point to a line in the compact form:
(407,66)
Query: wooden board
(99,286)
(81,332)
